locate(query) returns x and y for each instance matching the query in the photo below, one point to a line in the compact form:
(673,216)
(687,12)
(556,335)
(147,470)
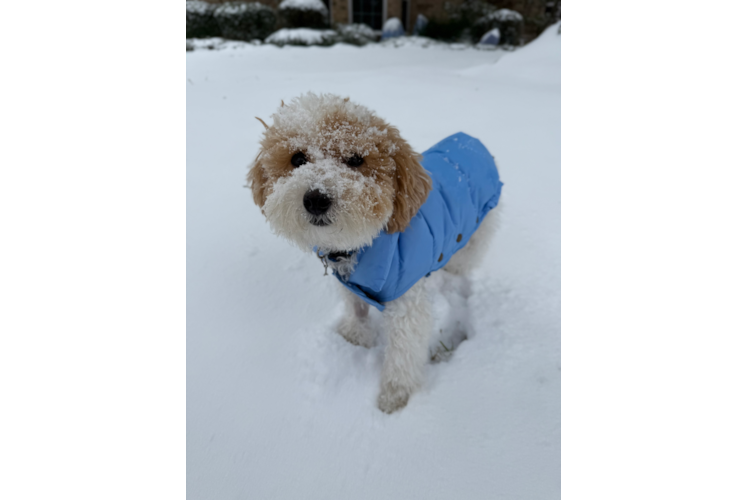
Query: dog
(334,178)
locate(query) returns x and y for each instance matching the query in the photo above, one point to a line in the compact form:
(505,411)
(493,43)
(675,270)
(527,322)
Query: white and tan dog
(331,174)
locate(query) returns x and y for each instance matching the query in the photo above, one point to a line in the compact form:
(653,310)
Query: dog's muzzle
(317,204)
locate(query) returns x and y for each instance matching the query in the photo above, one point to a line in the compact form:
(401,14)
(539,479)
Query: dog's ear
(412,184)
(257,182)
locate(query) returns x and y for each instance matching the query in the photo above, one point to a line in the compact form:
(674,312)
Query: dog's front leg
(408,326)
(355,325)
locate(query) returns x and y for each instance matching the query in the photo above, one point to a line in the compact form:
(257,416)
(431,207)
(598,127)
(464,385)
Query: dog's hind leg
(457,287)
(408,325)
(355,325)
(471,255)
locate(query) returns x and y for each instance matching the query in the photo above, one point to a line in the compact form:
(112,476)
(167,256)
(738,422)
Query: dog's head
(332,174)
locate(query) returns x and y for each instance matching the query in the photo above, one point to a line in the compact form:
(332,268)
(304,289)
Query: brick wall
(339,10)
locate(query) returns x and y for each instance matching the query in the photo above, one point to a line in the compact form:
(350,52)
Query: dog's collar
(332,256)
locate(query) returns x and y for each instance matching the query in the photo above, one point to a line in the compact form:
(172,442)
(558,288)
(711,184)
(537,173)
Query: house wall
(339,11)
(393,9)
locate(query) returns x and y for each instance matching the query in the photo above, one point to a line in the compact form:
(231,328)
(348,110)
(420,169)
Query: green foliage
(509,22)
(245,21)
(447,29)
(355,34)
(200,20)
(303,18)
(472,19)
(470,10)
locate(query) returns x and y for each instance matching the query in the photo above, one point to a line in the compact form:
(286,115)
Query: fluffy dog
(334,177)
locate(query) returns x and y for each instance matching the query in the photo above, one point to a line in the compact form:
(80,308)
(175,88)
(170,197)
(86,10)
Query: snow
(491,37)
(217,43)
(392,28)
(357,33)
(301,36)
(529,65)
(199,7)
(280,406)
(233,8)
(502,15)
(304,5)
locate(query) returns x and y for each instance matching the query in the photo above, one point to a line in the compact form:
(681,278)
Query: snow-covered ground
(279,406)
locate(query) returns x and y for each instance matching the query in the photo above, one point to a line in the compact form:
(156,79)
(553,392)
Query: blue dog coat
(465,187)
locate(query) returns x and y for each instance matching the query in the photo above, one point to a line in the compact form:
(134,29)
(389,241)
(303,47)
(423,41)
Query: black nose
(316,203)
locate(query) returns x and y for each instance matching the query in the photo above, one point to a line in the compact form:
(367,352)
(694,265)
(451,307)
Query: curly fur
(383,193)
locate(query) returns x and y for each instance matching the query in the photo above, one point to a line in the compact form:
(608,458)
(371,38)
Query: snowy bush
(509,23)
(245,21)
(200,20)
(302,36)
(448,29)
(491,37)
(470,20)
(471,10)
(355,34)
(421,22)
(456,26)
(304,13)
(392,28)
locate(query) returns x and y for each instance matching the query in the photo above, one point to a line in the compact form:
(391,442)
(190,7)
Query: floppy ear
(257,181)
(412,185)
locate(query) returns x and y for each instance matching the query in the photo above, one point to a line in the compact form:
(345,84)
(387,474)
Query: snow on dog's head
(332,174)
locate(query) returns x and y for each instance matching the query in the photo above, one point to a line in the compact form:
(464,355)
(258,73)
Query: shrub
(355,34)
(200,20)
(304,13)
(470,11)
(421,22)
(509,22)
(456,26)
(473,18)
(245,21)
(393,28)
(303,37)
(447,29)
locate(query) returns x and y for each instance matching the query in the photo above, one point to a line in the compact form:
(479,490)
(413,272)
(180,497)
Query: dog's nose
(316,202)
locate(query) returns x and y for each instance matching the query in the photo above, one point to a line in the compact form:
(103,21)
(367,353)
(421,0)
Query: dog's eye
(354,161)
(298,159)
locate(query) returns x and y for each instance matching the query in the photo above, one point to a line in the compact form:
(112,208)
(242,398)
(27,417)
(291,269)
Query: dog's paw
(356,332)
(392,398)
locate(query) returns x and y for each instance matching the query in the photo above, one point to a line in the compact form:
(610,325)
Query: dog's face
(332,174)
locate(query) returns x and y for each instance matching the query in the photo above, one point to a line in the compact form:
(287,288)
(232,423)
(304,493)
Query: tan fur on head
(261,121)
(413,184)
(384,192)
(257,180)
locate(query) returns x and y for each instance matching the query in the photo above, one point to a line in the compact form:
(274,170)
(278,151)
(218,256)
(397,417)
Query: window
(368,12)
